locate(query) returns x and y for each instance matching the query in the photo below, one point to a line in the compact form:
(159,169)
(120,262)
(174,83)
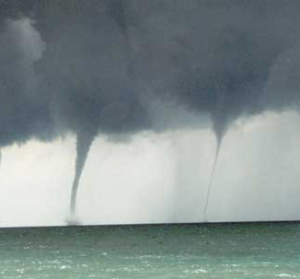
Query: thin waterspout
(211,180)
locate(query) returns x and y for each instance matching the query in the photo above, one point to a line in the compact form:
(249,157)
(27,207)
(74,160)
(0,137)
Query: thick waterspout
(83,144)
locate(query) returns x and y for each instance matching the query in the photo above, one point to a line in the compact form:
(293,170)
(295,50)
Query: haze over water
(159,178)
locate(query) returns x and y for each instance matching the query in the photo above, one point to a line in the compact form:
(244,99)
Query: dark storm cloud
(105,59)
(24,113)
(106,62)
(213,56)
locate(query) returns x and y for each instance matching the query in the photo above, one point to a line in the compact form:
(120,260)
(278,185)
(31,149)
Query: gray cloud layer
(104,61)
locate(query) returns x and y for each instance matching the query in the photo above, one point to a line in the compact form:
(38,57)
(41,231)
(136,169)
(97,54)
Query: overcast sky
(159,177)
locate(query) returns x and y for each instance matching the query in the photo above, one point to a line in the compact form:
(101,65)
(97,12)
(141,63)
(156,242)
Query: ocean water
(265,250)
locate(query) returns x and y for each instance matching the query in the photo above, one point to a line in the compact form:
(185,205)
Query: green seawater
(158,251)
